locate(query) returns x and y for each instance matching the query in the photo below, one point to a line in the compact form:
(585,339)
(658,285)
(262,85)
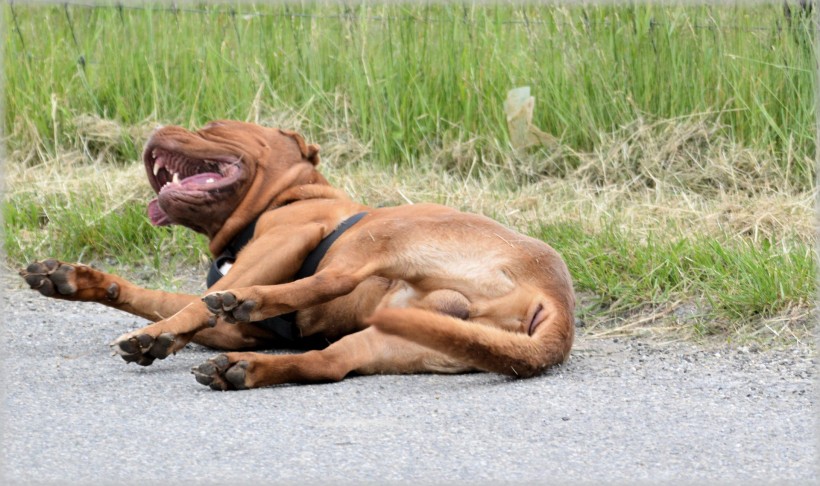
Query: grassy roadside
(680,190)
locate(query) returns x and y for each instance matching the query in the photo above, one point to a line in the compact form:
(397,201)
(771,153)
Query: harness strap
(283,326)
(311,263)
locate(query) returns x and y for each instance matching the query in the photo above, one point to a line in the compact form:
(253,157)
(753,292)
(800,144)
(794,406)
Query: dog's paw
(230,308)
(38,276)
(53,278)
(142,348)
(220,374)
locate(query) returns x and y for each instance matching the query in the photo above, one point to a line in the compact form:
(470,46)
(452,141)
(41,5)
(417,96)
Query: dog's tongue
(157,215)
(201,179)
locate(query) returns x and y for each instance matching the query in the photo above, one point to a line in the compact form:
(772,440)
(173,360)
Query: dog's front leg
(81,283)
(165,337)
(267,259)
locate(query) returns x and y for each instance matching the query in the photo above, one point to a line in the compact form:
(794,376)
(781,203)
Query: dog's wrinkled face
(200,177)
(218,179)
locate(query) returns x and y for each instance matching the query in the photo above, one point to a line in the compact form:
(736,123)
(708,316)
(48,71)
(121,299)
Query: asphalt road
(620,410)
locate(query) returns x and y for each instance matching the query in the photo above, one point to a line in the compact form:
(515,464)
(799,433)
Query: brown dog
(408,289)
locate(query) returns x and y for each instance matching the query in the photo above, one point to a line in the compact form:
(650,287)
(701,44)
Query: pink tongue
(157,215)
(205,178)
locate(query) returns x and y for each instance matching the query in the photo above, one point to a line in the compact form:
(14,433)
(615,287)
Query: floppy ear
(309,151)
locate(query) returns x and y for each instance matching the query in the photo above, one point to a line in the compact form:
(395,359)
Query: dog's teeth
(154,153)
(176,178)
(157,166)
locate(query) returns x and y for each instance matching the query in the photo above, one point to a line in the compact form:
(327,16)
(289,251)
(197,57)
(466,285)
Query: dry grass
(71,175)
(662,177)
(649,179)
(691,154)
(680,320)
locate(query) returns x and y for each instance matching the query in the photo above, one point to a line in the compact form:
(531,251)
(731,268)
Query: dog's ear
(310,151)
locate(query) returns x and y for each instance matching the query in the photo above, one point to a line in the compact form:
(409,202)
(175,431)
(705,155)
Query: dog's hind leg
(366,352)
(483,346)
(159,340)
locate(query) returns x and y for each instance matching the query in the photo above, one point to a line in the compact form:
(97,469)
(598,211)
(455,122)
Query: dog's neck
(308,191)
(268,193)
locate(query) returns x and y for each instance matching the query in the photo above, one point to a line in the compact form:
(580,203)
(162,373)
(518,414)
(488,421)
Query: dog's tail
(485,347)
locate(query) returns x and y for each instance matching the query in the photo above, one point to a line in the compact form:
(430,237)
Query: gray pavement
(620,410)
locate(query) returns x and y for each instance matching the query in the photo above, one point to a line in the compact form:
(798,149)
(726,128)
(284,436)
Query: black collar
(285,325)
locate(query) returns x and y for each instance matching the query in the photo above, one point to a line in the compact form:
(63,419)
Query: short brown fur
(407,289)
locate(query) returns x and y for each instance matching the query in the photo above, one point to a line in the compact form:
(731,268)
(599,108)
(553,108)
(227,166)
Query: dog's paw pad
(40,283)
(228,301)
(53,278)
(242,313)
(205,373)
(44,267)
(162,345)
(236,375)
(220,302)
(133,345)
(63,279)
(40,277)
(218,374)
(227,306)
(143,349)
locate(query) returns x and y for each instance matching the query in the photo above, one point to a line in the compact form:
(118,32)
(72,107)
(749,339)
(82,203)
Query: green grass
(85,229)
(411,79)
(733,281)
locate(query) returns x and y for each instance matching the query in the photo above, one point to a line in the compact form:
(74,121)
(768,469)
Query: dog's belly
(476,272)
(434,247)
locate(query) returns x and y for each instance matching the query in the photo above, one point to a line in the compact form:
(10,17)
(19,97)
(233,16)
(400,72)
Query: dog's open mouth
(175,176)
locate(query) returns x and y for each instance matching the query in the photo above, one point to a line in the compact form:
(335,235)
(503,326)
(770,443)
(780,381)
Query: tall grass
(410,79)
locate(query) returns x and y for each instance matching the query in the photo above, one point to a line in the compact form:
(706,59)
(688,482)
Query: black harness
(283,326)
